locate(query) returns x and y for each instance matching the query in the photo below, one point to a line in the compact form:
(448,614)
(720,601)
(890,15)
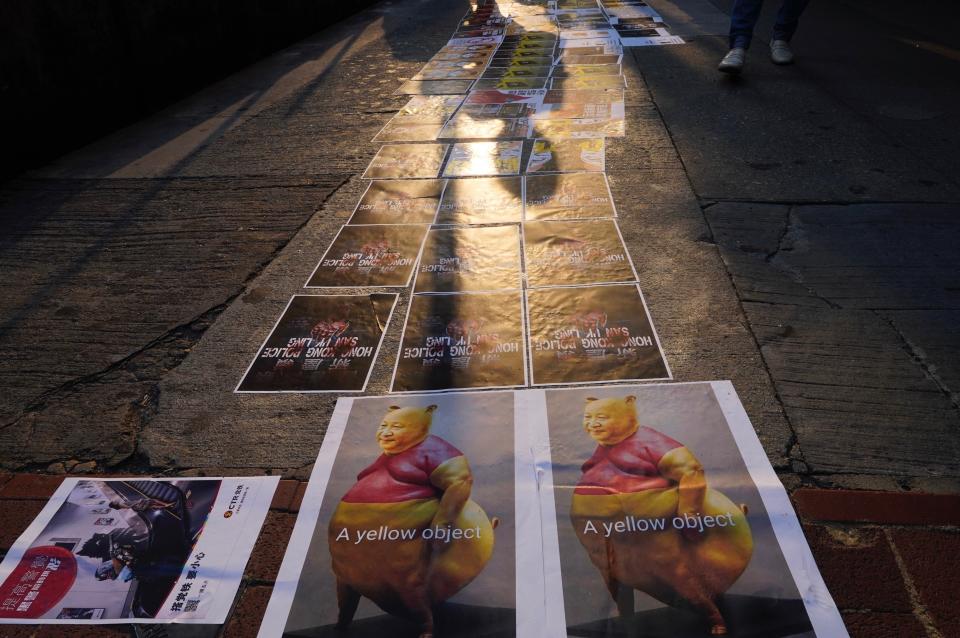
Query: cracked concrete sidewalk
(786,239)
(795,232)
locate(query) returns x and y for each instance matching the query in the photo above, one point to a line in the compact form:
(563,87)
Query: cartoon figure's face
(403,428)
(610,421)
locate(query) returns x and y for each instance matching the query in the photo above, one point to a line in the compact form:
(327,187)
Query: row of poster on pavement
(463,340)
(612,511)
(517,264)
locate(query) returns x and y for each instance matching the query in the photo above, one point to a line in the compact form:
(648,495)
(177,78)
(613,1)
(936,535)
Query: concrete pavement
(795,231)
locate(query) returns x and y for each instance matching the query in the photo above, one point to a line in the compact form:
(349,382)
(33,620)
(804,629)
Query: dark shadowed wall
(73,70)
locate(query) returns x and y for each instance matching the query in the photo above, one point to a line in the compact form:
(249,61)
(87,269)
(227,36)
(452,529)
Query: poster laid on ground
(461,341)
(566,156)
(378,255)
(406,161)
(663,517)
(565,253)
(401,201)
(592,334)
(470,259)
(434,87)
(419,518)
(568,196)
(431,108)
(581,128)
(482,200)
(478,159)
(135,551)
(321,343)
(464,126)
(408,129)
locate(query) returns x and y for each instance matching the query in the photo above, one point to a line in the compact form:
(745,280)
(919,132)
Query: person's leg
(742,20)
(788,18)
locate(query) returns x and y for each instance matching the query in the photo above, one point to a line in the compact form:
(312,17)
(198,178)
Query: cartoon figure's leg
(622,596)
(689,588)
(418,605)
(347,600)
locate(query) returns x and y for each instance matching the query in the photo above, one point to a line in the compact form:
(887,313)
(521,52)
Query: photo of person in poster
(151,561)
(461,341)
(321,343)
(591,334)
(415,534)
(662,531)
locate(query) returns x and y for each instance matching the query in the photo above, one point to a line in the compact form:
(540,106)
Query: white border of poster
(529,584)
(373,361)
(823,613)
(223,552)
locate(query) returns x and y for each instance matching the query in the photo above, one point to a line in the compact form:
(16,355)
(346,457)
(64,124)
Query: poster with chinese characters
(364,256)
(135,550)
(399,201)
(461,341)
(406,161)
(567,196)
(474,258)
(567,253)
(592,334)
(321,343)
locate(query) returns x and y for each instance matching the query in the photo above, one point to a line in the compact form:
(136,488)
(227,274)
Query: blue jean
(746,12)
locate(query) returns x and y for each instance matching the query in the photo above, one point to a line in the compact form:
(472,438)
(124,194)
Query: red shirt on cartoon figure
(406,535)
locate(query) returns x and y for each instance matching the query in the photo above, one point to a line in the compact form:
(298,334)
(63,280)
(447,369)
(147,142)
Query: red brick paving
(856,560)
(932,558)
(15,516)
(244,622)
(883,625)
(283,497)
(884,508)
(266,558)
(850,558)
(298,497)
(30,486)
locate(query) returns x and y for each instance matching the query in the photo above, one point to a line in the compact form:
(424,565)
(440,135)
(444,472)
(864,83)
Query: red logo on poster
(43,577)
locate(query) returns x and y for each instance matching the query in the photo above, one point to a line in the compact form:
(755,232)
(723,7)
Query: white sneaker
(733,61)
(780,52)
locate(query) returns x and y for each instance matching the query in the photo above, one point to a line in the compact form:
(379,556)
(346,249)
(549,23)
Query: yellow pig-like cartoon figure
(406,535)
(635,477)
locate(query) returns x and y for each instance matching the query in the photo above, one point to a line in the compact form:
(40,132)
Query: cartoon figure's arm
(680,465)
(455,479)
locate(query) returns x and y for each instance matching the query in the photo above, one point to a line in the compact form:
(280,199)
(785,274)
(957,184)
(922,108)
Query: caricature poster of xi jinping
(409,524)
(667,520)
